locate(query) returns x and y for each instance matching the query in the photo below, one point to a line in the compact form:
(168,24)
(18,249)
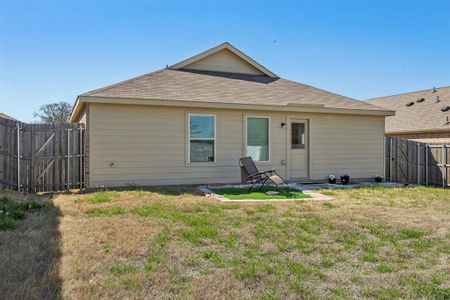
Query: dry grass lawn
(173,243)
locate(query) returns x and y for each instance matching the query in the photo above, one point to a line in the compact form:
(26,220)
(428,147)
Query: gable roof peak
(210,57)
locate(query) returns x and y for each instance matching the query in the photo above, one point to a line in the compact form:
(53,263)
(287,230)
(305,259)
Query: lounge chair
(250,173)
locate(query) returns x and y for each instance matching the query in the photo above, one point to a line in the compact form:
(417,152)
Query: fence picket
(40,157)
(418,163)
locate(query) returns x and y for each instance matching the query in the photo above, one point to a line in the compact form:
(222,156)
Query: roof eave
(430,130)
(76,110)
(201,104)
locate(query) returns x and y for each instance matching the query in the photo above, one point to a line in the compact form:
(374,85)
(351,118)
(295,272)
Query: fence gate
(41,157)
(418,163)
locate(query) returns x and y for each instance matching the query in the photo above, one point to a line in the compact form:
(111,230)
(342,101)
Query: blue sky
(51,51)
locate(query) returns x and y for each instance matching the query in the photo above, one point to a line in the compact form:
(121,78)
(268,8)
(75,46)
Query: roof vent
(447,121)
(420,100)
(446,108)
(410,103)
(437,99)
(434,89)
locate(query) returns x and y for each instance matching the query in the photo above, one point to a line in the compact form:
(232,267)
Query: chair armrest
(256,174)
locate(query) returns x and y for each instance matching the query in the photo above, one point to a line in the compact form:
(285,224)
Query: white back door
(298,149)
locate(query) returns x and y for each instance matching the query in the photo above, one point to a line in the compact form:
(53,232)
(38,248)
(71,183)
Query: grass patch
(156,210)
(214,257)
(385,268)
(424,288)
(244,193)
(198,234)
(302,272)
(11,211)
(130,284)
(122,269)
(103,196)
(106,212)
(411,234)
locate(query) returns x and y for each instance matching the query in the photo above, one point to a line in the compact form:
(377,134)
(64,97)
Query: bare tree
(54,113)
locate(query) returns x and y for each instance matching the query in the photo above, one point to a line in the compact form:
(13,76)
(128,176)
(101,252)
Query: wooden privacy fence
(41,157)
(418,163)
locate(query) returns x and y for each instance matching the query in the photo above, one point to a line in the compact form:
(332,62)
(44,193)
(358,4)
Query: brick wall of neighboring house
(431,138)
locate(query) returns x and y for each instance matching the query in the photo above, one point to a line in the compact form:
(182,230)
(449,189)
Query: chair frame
(254,176)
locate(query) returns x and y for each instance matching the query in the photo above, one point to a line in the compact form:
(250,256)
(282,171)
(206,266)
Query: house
(422,116)
(5,116)
(190,123)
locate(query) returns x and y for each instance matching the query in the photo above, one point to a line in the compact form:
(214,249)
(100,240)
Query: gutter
(291,107)
(435,130)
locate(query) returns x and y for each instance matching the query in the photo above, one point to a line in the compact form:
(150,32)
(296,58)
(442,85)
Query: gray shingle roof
(422,115)
(5,116)
(230,88)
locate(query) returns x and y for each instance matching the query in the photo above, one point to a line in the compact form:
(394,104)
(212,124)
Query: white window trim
(201,139)
(269,128)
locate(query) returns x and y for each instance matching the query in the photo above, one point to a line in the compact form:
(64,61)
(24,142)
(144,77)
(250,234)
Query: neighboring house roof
(5,116)
(226,76)
(420,111)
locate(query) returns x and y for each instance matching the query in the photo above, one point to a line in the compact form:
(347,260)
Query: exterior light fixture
(283,125)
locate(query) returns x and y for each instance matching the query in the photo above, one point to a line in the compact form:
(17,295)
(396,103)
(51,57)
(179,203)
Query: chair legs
(263,181)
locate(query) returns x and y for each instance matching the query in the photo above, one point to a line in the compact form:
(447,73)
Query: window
(258,138)
(202,138)
(298,135)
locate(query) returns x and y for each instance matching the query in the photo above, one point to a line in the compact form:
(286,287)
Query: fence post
(18,156)
(444,169)
(68,158)
(31,187)
(426,163)
(397,142)
(390,159)
(418,164)
(80,145)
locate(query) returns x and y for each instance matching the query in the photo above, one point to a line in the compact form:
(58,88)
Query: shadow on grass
(29,247)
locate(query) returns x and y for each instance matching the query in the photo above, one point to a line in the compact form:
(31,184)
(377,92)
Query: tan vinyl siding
(346,145)
(147,145)
(224,61)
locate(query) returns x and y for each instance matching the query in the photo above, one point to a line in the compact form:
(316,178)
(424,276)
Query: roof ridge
(400,94)
(122,82)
